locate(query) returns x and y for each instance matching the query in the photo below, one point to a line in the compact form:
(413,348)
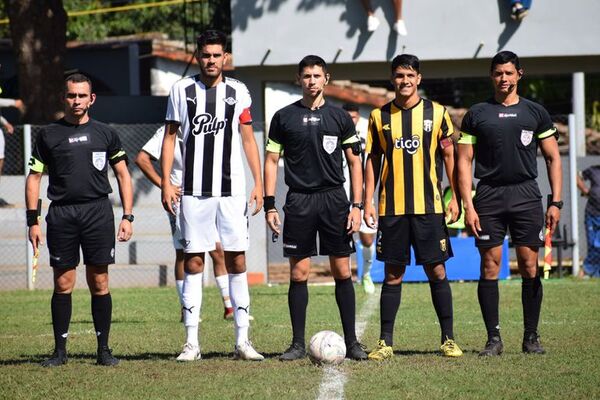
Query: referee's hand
(370,216)
(272,217)
(125,231)
(169,196)
(35,237)
(472,221)
(353,224)
(552,218)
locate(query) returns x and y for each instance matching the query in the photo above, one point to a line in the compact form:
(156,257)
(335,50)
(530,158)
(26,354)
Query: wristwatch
(128,217)
(558,204)
(360,205)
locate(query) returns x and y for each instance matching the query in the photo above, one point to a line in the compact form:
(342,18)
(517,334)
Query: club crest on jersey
(443,245)
(329,143)
(230,101)
(427,125)
(526,137)
(206,124)
(99,160)
(409,145)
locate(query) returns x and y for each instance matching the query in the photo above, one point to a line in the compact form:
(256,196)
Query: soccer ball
(326,347)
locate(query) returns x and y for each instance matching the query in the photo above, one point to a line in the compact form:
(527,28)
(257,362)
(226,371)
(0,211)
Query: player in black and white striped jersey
(213,113)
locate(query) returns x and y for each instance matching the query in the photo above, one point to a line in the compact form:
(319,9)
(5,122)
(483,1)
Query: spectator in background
(591,264)
(373,22)
(10,130)
(519,9)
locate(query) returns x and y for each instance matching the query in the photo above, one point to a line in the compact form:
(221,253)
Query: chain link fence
(146,260)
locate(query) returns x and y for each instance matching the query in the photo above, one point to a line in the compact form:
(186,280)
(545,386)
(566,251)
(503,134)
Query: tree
(38,31)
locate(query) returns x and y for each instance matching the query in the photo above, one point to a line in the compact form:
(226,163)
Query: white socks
(192,301)
(223,285)
(240,297)
(367,254)
(179,287)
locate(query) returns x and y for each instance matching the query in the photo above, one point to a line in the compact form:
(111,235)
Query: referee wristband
(269,203)
(32,217)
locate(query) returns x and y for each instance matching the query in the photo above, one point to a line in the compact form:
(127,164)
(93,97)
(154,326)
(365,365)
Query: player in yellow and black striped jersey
(407,142)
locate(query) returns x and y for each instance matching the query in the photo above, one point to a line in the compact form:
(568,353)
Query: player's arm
(32,194)
(126,192)
(447,146)
(271,162)
(549,147)
(582,186)
(253,158)
(356,179)
(168,192)
(7,125)
(372,168)
(144,161)
(464,166)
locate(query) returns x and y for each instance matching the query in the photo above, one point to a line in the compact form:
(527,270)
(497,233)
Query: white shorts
(205,221)
(176,228)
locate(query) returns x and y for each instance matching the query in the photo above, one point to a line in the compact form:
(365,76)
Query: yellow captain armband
(36,165)
(273,147)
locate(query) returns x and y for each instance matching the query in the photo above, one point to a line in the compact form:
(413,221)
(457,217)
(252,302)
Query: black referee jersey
(311,141)
(505,139)
(76,158)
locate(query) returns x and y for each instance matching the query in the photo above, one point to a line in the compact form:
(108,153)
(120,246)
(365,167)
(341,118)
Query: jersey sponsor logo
(507,115)
(526,137)
(311,120)
(99,159)
(427,125)
(206,124)
(78,139)
(190,99)
(230,100)
(409,145)
(330,143)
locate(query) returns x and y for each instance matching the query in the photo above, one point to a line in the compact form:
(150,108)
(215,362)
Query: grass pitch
(146,336)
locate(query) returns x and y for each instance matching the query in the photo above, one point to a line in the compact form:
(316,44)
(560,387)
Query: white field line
(334,378)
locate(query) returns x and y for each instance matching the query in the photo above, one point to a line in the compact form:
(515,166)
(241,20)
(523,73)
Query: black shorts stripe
(190,144)
(427,184)
(409,194)
(209,144)
(226,165)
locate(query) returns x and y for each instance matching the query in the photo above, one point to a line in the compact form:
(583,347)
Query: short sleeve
(173,109)
(115,151)
(275,141)
(447,127)
(373,146)
(467,129)
(348,133)
(40,154)
(587,174)
(546,127)
(154,146)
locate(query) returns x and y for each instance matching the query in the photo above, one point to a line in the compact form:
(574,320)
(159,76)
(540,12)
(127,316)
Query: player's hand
(9,128)
(353,224)
(169,197)
(178,191)
(272,217)
(370,216)
(552,218)
(35,237)
(472,221)
(452,211)
(256,198)
(125,231)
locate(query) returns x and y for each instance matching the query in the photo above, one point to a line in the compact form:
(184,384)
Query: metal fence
(146,260)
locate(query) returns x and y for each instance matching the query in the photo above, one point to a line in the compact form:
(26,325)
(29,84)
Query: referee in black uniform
(313,134)
(503,134)
(76,152)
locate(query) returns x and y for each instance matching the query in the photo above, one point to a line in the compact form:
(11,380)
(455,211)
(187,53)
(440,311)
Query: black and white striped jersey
(209,120)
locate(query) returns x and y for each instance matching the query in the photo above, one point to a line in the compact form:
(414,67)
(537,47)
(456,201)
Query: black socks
(297,302)
(102,314)
(61,307)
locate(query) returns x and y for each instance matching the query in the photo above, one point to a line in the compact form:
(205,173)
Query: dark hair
(311,61)
(78,78)
(212,36)
(505,57)
(350,107)
(406,61)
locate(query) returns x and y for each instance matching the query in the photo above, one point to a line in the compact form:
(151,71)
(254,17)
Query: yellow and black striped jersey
(411,171)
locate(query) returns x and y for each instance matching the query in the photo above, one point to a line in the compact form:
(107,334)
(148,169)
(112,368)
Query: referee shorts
(89,226)
(517,207)
(307,214)
(426,233)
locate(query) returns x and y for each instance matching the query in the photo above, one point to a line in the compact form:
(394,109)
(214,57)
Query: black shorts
(323,212)
(518,207)
(89,225)
(426,233)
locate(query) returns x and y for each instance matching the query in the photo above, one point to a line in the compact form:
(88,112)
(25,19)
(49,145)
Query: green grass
(146,336)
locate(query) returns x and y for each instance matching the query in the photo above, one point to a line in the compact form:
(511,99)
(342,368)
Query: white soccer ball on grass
(326,347)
